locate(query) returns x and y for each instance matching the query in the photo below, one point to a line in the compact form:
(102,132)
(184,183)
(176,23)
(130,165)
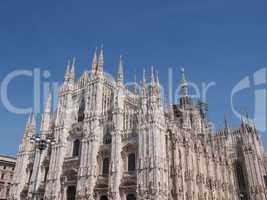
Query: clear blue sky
(215,40)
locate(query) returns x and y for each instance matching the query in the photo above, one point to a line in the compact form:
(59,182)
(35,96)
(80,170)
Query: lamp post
(40,144)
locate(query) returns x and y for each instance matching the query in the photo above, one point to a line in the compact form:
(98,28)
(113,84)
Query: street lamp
(41,144)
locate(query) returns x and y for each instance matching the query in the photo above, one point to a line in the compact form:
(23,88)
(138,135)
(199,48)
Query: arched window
(103,197)
(131,162)
(76,148)
(105,167)
(131,197)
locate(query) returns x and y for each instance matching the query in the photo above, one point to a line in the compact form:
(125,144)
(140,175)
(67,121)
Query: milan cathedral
(106,141)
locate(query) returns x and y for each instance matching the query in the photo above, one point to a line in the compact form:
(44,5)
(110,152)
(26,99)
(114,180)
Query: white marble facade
(118,143)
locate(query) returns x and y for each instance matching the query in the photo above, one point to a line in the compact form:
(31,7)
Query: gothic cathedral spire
(120,71)
(184,84)
(72,70)
(184,98)
(29,130)
(143,83)
(46,115)
(31,122)
(101,61)
(94,62)
(152,75)
(67,73)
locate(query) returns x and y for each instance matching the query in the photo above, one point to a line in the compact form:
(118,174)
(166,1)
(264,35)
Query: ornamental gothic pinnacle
(110,143)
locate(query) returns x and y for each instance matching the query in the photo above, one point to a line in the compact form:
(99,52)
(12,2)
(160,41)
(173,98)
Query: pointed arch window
(76,148)
(131,162)
(105,167)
